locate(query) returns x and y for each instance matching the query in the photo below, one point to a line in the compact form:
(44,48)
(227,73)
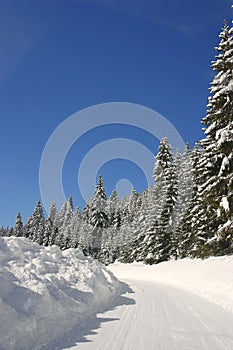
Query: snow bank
(45,292)
(211,278)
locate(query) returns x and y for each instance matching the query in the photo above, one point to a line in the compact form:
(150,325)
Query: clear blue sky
(60,56)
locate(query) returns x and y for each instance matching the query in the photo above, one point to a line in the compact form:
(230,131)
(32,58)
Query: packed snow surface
(62,300)
(44,292)
(157,317)
(167,307)
(211,278)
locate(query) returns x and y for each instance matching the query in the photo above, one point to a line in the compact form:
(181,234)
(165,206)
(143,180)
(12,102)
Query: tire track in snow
(162,318)
(212,335)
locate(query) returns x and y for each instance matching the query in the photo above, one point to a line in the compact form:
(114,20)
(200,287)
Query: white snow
(211,278)
(161,311)
(45,292)
(62,300)
(225,164)
(225,204)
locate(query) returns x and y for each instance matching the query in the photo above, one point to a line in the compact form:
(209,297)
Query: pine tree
(146,226)
(129,228)
(216,190)
(71,204)
(158,246)
(47,239)
(53,236)
(99,217)
(75,229)
(185,229)
(96,215)
(36,225)
(85,237)
(113,208)
(10,231)
(4,231)
(133,197)
(63,222)
(58,224)
(183,185)
(53,212)
(18,231)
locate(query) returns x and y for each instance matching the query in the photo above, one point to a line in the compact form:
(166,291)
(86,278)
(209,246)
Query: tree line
(188,212)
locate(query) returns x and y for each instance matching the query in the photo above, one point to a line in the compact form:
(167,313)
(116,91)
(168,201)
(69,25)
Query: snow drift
(44,292)
(211,278)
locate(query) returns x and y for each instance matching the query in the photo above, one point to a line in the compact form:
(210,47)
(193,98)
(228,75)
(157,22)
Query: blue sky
(60,56)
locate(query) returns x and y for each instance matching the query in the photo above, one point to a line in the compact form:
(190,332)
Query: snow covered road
(52,299)
(155,316)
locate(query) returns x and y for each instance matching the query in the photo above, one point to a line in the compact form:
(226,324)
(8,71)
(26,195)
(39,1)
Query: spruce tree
(63,222)
(98,216)
(85,237)
(71,204)
(53,212)
(141,247)
(47,239)
(216,190)
(75,229)
(183,185)
(159,241)
(36,225)
(113,209)
(18,231)
(185,229)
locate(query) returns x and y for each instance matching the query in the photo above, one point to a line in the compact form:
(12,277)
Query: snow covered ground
(45,292)
(167,309)
(211,278)
(62,300)
(156,317)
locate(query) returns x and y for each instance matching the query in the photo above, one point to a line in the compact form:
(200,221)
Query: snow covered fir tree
(188,212)
(215,194)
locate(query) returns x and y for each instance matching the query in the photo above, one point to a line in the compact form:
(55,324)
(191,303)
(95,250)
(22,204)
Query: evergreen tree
(146,226)
(53,236)
(18,231)
(216,190)
(113,208)
(159,239)
(75,229)
(71,204)
(36,225)
(85,237)
(133,197)
(53,212)
(189,210)
(185,229)
(183,186)
(10,231)
(4,231)
(64,223)
(60,219)
(97,216)
(47,239)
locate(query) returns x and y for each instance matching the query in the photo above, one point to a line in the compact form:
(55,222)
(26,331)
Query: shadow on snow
(90,325)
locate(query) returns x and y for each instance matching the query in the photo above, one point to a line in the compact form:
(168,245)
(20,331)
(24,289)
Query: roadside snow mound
(44,292)
(211,278)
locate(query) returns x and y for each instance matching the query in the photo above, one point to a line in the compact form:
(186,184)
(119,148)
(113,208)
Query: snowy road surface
(155,316)
(52,299)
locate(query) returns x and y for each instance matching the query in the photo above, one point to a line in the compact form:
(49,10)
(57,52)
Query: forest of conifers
(187,213)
